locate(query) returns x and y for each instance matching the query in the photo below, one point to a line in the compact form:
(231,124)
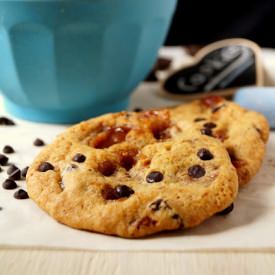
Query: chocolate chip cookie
(132,175)
(244,133)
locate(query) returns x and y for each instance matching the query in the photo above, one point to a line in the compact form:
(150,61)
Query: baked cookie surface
(244,133)
(132,175)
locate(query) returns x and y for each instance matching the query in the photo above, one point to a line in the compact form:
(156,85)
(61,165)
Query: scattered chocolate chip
(15,175)
(226,210)
(21,194)
(109,193)
(1,169)
(8,149)
(205,154)
(38,142)
(9,184)
(124,191)
(155,206)
(107,168)
(154,176)
(216,109)
(3,159)
(24,172)
(199,119)
(196,171)
(6,121)
(210,125)
(1,208)
(79,158)
(207,132)
(11,169)
(138,110)
(45,166)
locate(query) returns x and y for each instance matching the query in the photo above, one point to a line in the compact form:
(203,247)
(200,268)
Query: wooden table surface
(50,262)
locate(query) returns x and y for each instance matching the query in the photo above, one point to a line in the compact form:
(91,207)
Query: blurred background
(201,22)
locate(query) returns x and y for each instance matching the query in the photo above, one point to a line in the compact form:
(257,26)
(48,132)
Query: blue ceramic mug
(64,61)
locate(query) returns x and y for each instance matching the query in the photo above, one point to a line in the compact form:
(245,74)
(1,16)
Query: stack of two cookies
(135,174)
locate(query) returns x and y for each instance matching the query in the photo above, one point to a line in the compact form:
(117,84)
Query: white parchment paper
(250,226)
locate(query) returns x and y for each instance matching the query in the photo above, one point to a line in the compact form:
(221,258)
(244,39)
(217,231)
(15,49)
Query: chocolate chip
(9,184)
(207,132)
(1,169)
(11,169)
(15,175)
(24,172)
(154,176)
(8,149)
(175,216)
(120,191)
(124,191)
(205,154)
(199,119)
(196,171)
(38,142)
(127,162)
(45,166)
(210,125)
(3,159)
(137,109)
(79,158)
(6,121)
(107,168)
(155,206)
(21,194)
(109,193)
(127,158)
(226,210)
(1,208)
(159,204)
